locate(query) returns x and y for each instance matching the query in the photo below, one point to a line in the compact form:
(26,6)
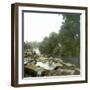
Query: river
(46,65)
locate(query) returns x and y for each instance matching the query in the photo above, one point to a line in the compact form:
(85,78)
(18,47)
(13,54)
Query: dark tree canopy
(69,35)
(48,45)
(65,43)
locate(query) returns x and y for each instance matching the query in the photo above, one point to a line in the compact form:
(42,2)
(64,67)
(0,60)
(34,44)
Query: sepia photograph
(51,44)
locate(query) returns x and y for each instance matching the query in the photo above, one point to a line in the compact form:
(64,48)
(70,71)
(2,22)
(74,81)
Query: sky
(39,25)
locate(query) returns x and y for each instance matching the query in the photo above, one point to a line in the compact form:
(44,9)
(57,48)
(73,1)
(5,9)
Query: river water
(46,65)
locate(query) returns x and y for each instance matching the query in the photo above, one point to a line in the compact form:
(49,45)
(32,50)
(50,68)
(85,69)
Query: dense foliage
(66,42)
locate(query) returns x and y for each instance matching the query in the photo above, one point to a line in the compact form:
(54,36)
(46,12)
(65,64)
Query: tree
(69,35)
(65,43)
(27,46)
(48,45)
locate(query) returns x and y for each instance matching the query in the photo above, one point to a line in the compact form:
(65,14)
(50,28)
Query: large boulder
(33,70)
(29,72)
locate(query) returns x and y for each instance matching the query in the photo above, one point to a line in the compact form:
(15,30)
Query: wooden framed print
(49,44)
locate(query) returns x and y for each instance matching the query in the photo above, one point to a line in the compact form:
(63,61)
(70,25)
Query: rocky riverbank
(43,66)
